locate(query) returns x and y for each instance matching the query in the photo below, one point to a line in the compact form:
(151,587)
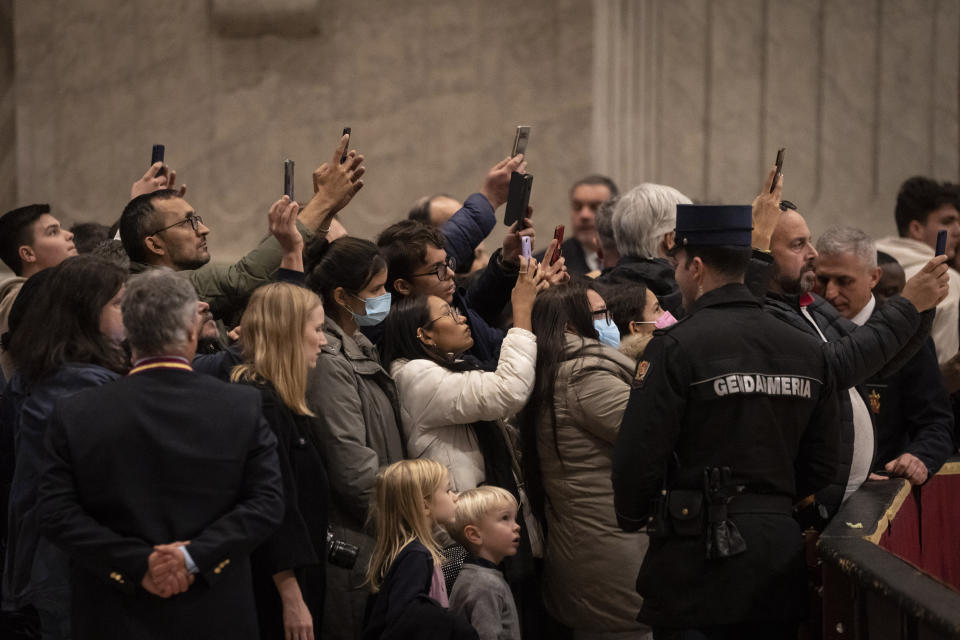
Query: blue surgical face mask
(608,332)
(376,310)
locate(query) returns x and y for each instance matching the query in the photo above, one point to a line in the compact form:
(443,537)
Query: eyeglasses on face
(602,313)
(443,271)
(195,222)
(451,312)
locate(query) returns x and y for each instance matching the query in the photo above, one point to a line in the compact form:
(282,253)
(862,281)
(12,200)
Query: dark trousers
(768,630)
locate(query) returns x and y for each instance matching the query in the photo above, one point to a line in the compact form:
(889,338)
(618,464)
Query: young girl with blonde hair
(412,497)
(281,339)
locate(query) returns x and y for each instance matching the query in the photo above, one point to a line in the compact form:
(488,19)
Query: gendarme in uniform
(729,386)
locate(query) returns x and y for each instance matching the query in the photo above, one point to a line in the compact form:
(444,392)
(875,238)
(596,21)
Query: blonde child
(411,498)
(486,524)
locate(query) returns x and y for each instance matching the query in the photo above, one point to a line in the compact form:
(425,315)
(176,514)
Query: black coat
(656,274)
(727,386)
(301,541)
(160,456)
(912,412)
(885,343)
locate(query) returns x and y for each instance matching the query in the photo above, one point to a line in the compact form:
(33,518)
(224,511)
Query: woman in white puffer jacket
(453,412)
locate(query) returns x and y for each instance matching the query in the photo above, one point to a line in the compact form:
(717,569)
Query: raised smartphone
(288,178)
(779,172)
(157,156)
(520,140)
(518,199)
(558,236)
(941,242)
(346,132)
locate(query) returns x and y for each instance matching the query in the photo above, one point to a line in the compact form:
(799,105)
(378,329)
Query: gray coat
(357,427)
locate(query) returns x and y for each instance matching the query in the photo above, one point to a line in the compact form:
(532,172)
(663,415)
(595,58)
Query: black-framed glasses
(451,312)
(443,271)
(195,222)
(602,313)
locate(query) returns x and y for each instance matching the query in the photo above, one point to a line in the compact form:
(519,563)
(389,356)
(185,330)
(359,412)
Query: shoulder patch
(643,367)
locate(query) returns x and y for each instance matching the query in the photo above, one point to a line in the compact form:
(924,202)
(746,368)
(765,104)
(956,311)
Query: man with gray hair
(161,483)
(910,408)
(643,224)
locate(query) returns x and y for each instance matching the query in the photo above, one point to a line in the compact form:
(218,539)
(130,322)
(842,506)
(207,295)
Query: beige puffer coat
(590,565)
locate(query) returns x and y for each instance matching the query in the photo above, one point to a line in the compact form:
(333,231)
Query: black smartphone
(558,236)
(520,140)
(779,172)
(941,242)
(288,178)
(346,132)
(157,156)
(518,199)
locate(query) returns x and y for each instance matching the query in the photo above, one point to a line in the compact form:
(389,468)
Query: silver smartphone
(520,140)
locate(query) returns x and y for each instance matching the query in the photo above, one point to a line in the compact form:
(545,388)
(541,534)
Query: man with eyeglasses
(161,229)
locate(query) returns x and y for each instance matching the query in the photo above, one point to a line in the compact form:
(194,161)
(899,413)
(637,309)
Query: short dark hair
(347,262)
(62,322)
(87,235)
(16,231)
(727,261)
(596,178)
(885,258)
(403,246)
(918,198)
(139,219)
(625,303)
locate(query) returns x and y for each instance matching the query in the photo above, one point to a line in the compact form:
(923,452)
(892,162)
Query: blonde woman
(281,339)
(412,499)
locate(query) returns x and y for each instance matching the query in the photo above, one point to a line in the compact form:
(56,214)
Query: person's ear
(635,327)
(875,275)
(666,244)
(424,336)
(472,535)
(154,245)
(26,253)
(915,230)
(402,287)
(340,296)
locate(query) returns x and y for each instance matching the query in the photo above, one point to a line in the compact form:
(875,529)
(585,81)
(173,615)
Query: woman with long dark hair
(357,416)
(568,429)
(66,338)
(281,339)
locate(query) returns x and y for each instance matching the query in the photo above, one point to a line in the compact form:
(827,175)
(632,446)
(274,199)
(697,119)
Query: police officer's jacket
(730,385)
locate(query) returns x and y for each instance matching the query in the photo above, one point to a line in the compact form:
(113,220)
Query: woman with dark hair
(568,430)
(637,313)
(355,402)
(67,338)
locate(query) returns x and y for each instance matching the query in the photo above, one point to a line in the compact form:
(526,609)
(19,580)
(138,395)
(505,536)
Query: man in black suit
(580,248)
(160,484)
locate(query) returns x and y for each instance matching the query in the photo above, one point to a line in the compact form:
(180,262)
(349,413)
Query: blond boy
(486,524)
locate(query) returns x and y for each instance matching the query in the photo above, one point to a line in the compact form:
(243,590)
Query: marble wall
(432,89)
(862,93)
(693,93)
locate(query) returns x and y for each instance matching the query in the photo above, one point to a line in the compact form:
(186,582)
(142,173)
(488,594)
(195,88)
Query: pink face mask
(665,320)
(662,322)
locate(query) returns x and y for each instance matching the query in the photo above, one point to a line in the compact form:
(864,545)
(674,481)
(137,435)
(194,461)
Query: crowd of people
(626,435)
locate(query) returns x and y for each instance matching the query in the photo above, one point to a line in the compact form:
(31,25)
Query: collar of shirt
(480,562)
(861,318)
